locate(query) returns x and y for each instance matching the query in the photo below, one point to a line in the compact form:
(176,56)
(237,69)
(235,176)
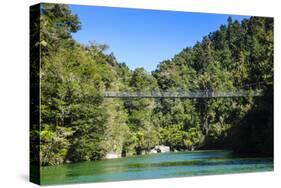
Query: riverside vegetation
(78,124)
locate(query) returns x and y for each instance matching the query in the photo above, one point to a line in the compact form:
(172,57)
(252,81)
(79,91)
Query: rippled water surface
(154,166)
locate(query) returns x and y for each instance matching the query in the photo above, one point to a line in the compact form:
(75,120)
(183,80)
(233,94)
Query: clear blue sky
(144,38)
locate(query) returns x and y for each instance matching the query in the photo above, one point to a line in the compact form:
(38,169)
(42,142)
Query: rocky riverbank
(155,149)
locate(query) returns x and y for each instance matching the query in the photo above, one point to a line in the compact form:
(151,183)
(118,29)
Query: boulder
(68,161)
(112,155)
(153,151)
(162,148)
(143,152)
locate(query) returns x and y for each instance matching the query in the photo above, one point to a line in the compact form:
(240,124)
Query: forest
(78,124)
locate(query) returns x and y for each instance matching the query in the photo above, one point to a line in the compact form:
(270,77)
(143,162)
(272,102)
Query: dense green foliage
(78,124)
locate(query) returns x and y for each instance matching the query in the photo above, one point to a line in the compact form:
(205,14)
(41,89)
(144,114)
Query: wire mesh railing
(183,94)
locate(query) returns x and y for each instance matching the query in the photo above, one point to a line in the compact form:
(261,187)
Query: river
(162,165)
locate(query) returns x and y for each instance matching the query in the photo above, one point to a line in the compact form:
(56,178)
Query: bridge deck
(189,94)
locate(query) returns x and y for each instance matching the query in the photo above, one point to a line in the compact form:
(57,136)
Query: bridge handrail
(183,94)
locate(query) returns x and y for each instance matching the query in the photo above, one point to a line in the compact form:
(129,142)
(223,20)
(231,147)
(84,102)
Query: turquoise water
(152,166)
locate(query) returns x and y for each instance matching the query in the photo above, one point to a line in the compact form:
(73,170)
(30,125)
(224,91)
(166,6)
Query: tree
(78,124)
(57,23)
(140,111)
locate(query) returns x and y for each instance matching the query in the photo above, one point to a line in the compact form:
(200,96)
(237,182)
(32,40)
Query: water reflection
(154,166)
